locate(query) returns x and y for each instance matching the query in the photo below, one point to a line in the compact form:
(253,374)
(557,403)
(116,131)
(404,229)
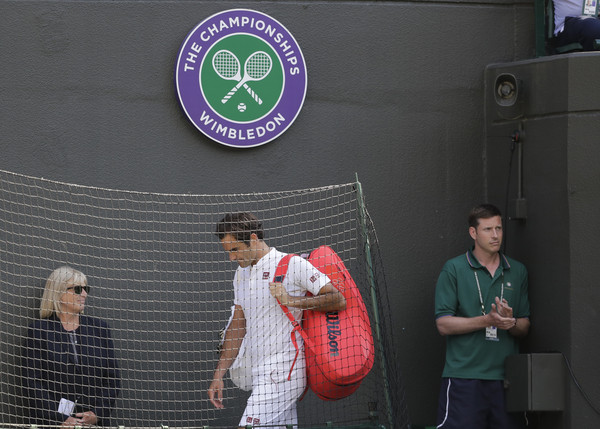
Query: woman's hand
(87,418)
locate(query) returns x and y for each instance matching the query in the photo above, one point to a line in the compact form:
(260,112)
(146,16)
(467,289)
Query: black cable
(585,396)
(513,146)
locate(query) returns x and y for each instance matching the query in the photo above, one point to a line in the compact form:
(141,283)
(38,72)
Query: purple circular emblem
(241,78)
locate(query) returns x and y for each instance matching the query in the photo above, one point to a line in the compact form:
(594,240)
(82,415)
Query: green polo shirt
(472,355)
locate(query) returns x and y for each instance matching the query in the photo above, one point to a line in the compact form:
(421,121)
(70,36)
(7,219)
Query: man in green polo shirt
(481,307)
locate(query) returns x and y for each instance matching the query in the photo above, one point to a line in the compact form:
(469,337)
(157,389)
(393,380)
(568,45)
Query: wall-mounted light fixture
(506,90)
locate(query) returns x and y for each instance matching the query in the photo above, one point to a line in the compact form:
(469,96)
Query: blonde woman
(71,374)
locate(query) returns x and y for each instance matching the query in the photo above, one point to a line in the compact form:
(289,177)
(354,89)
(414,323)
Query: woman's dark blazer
(52,370)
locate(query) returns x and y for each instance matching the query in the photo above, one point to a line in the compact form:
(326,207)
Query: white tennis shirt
(267,328)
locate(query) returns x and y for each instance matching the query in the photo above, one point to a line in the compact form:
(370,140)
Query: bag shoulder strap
(280,273)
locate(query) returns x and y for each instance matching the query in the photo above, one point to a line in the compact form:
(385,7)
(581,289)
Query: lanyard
(479,290)
(73,339)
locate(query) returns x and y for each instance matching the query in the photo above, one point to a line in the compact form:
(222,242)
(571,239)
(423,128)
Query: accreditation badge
(491,333)
(590,8)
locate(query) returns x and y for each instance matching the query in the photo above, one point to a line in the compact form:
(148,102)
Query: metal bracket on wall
(520,204)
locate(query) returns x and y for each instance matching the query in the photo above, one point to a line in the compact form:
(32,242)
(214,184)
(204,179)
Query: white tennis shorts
(274,397)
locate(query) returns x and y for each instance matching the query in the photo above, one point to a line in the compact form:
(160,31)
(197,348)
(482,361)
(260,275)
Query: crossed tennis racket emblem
(227,66)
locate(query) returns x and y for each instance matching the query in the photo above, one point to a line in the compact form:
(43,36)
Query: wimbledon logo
(241,78)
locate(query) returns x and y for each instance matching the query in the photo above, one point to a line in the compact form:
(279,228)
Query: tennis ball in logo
(242,107)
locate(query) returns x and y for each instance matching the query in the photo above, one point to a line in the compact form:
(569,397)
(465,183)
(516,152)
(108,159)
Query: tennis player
(259,320)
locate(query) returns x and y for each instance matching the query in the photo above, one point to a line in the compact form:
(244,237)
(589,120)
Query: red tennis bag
(338,345)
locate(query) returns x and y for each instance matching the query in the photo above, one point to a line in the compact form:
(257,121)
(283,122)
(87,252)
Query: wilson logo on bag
(339,344)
